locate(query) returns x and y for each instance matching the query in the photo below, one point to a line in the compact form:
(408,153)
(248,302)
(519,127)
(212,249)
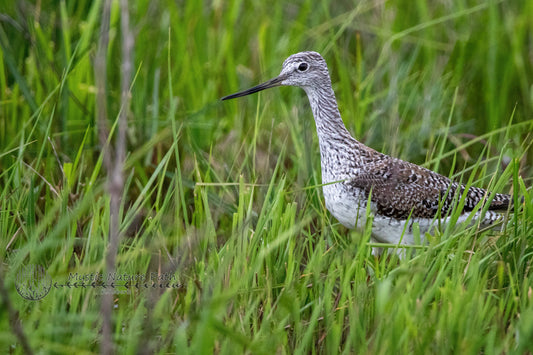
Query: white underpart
(385,229)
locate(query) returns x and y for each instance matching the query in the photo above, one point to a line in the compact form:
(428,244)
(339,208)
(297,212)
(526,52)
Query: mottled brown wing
(400,189)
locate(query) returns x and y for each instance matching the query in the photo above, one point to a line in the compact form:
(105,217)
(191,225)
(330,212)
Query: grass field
(221,213)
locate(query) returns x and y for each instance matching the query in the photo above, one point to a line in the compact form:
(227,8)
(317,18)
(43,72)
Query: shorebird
(400,193)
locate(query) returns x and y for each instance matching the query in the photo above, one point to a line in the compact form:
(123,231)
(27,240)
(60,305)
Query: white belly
(349,208)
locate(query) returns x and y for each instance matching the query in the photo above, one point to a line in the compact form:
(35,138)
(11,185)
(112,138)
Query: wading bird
(401,193)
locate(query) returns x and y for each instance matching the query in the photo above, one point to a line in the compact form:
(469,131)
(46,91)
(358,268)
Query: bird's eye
(303,67)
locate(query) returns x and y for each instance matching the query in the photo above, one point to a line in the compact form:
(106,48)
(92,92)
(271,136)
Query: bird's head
(304,69)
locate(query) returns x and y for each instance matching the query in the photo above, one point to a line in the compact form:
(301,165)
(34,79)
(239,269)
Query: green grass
(226,196)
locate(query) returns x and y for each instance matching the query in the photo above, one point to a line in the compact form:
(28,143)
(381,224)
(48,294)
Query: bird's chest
(348,206)
(346,203)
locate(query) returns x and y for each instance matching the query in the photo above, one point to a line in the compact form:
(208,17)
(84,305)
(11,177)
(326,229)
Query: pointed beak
(266,85)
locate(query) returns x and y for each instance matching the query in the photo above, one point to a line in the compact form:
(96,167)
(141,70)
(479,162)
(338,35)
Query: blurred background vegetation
(445,84)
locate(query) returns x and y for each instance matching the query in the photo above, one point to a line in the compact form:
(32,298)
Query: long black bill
(266,85)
